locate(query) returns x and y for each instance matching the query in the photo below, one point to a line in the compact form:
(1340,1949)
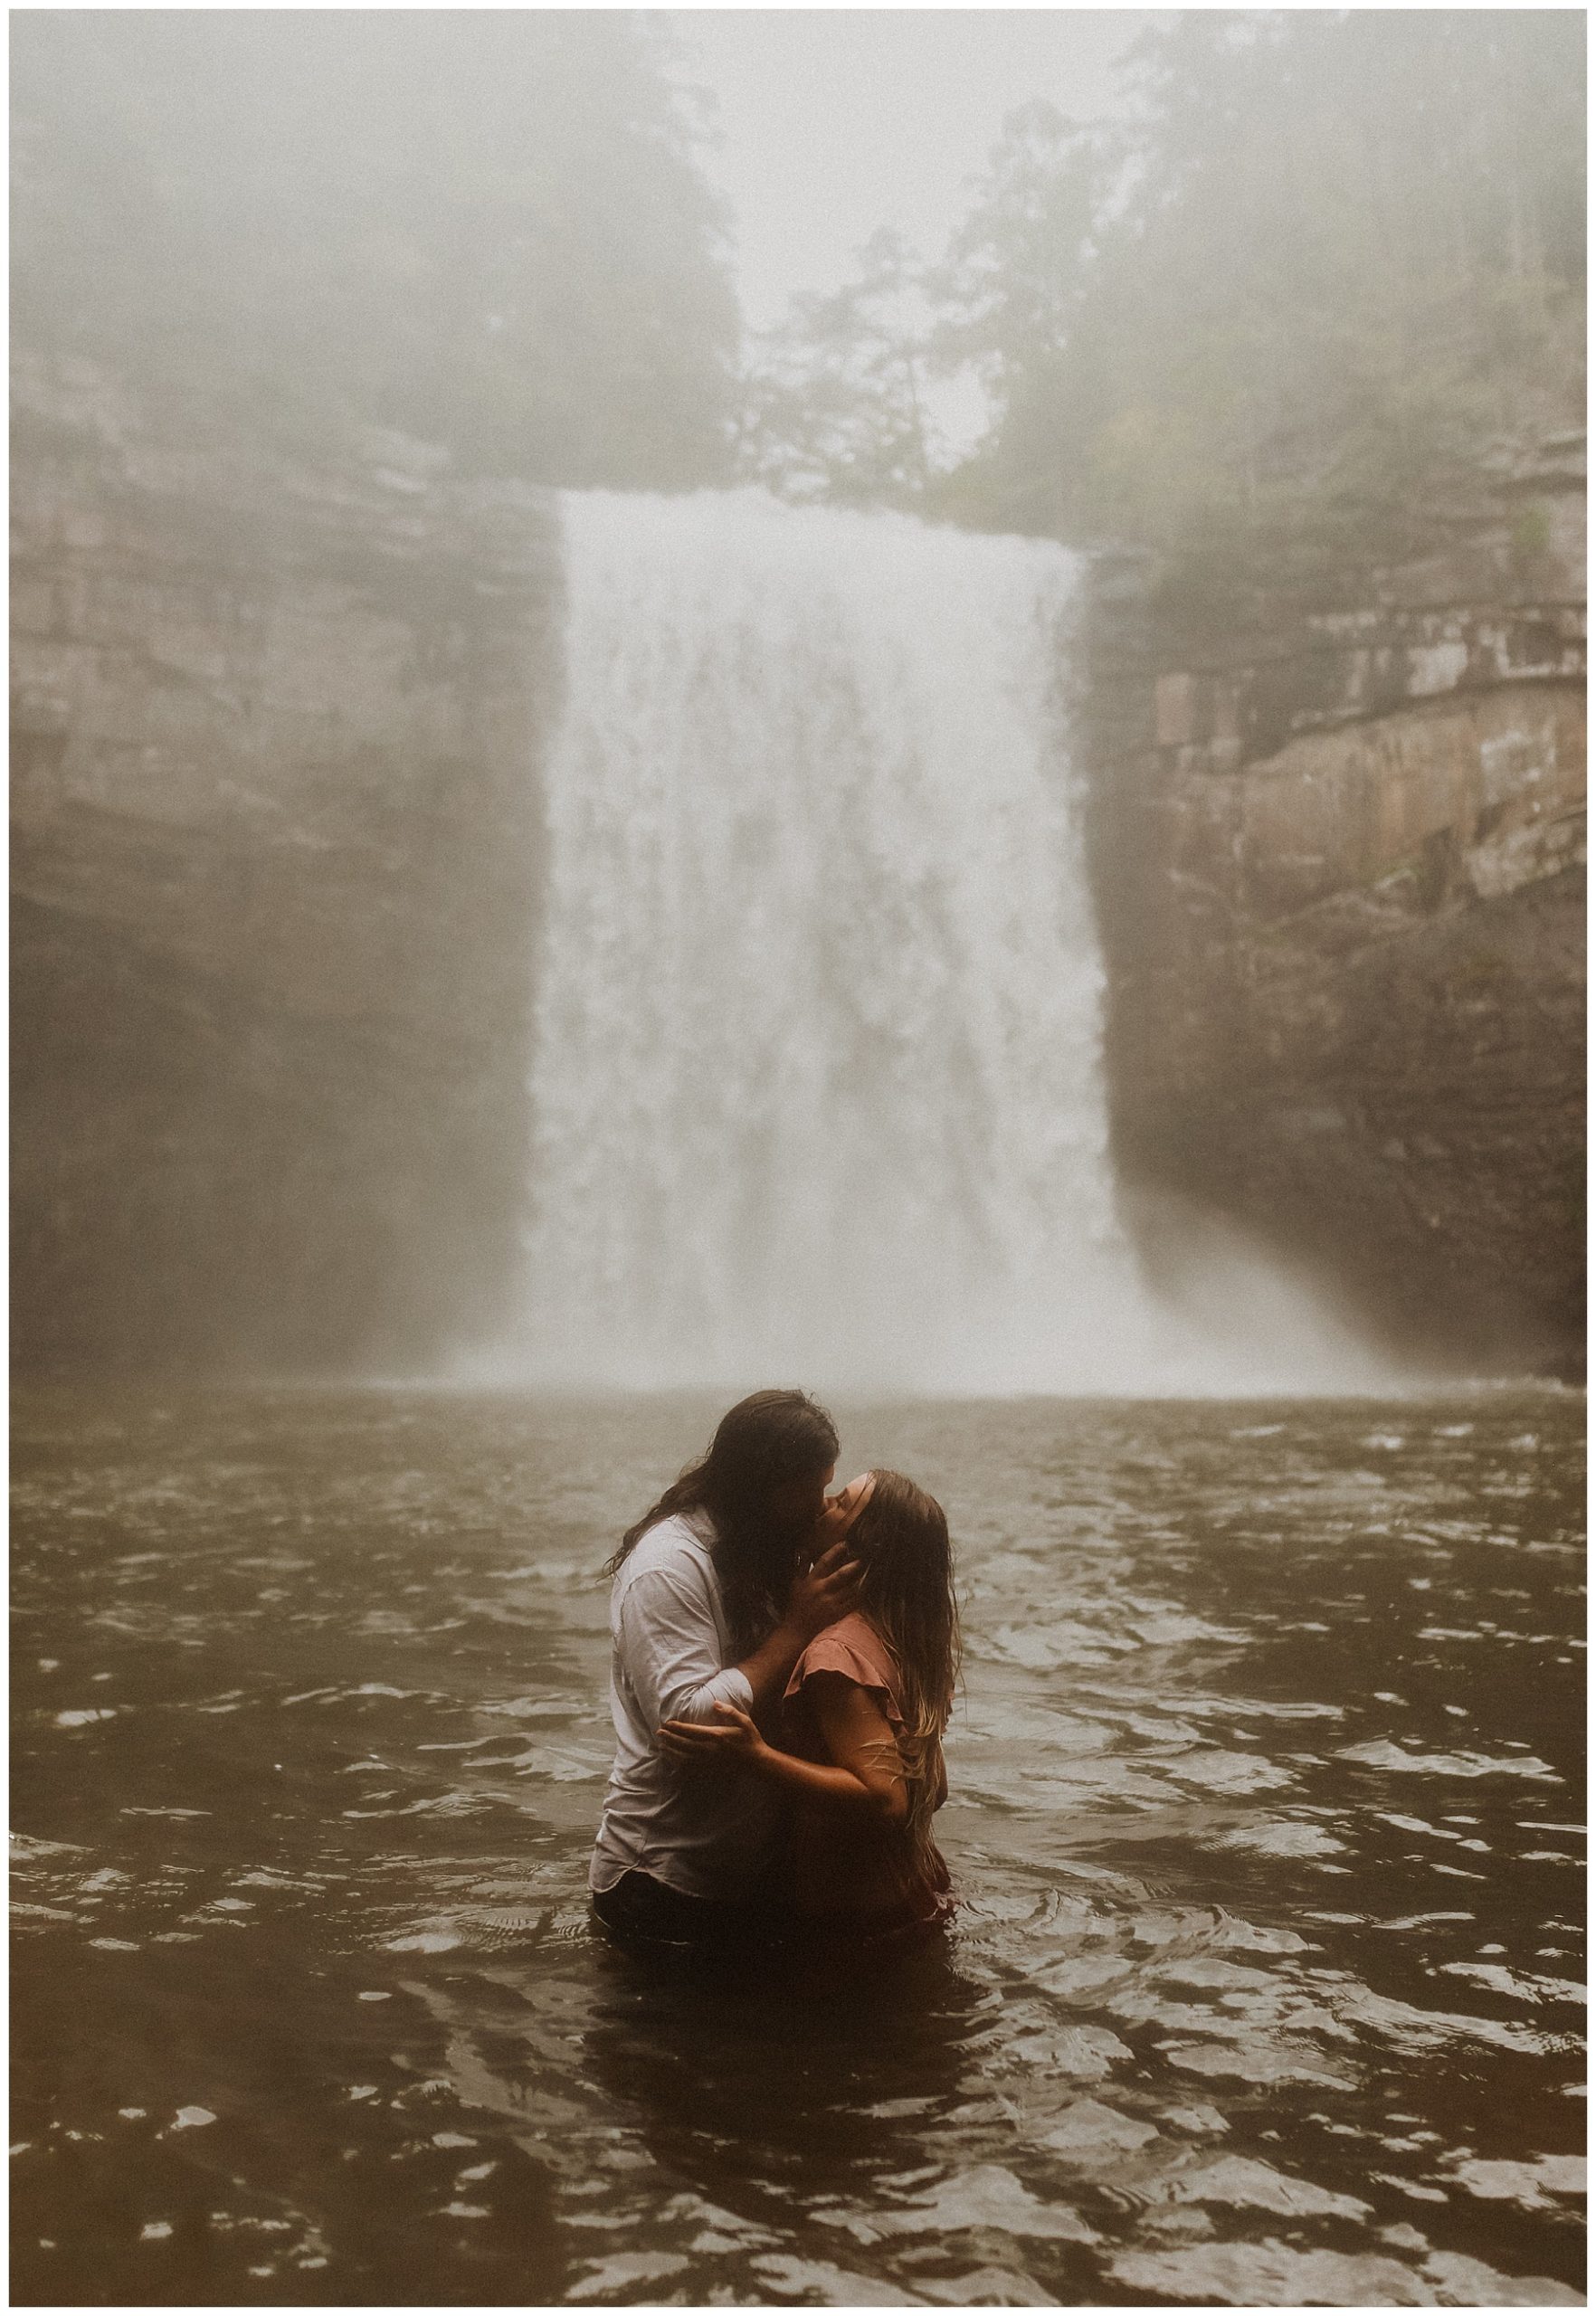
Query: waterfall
(817,1076)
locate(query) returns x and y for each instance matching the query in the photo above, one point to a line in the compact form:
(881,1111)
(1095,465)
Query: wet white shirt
(708,1837)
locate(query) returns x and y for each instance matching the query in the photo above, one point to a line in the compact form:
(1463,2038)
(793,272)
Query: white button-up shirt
(708,1836)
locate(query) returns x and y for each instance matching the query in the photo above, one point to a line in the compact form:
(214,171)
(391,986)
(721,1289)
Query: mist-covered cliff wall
(1340,881)
(275,745)
(274,757)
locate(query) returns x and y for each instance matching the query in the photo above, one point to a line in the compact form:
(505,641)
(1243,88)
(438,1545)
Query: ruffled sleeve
(857,1655)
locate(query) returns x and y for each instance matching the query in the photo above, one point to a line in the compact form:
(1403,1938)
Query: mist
(750,747)
(1270,326)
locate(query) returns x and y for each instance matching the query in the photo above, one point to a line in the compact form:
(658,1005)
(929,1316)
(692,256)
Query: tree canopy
(1264,321)
(484,227)
(1261,321)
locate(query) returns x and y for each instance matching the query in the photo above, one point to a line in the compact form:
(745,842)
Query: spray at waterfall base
(817,1072)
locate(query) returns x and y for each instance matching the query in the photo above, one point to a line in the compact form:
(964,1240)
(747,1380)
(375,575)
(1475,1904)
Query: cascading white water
(817,1078)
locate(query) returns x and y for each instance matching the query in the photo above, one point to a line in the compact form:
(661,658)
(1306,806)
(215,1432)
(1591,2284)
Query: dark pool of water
(1264,1802)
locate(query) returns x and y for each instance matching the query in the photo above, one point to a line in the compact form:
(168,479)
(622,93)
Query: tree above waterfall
(1269,321)
(833,403)
(487,228)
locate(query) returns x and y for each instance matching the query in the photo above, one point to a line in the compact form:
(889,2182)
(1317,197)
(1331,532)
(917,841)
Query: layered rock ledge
(1340,881)
(275,738)
(273,756)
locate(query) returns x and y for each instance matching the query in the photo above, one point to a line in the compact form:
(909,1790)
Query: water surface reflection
(1265,1798)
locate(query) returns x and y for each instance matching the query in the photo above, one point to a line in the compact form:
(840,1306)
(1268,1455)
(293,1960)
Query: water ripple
(1264,1989)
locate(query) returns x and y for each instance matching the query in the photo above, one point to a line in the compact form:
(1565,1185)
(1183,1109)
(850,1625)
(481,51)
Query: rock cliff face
(275,735)
(1340,884)
(274,757)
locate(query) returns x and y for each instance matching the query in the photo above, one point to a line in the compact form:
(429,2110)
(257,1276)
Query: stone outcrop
(1340,883)
(274,757)
(275,732)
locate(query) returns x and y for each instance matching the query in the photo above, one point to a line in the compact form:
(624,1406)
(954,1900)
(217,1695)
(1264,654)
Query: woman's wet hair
(901,1542)
(762,1444)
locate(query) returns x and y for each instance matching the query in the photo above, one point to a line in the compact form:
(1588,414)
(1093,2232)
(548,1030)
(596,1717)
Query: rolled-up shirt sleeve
(670,1650)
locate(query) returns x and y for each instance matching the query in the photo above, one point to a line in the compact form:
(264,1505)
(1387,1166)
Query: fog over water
(817,1079)
(1266,1769)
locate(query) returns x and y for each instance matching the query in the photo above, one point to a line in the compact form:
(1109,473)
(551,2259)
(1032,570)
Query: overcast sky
(834,121)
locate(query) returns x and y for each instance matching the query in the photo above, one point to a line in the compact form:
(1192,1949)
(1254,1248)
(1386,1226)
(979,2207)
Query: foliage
(833,403)
(1267,324)
(485,228)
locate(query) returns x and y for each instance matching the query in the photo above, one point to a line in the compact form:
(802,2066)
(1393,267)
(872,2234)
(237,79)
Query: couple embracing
(783,1670)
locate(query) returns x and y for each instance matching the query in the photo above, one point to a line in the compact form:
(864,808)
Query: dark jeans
(641,1911)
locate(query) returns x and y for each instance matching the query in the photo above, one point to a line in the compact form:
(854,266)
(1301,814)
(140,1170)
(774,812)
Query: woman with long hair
(715,1593)
(863,1716)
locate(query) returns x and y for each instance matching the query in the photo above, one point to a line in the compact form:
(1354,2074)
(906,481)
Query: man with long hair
(718,1590)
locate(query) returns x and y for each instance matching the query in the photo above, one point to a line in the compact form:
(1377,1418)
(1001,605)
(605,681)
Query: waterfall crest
(817,1074)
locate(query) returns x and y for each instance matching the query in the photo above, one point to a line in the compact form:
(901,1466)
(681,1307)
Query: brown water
(1264,1805)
